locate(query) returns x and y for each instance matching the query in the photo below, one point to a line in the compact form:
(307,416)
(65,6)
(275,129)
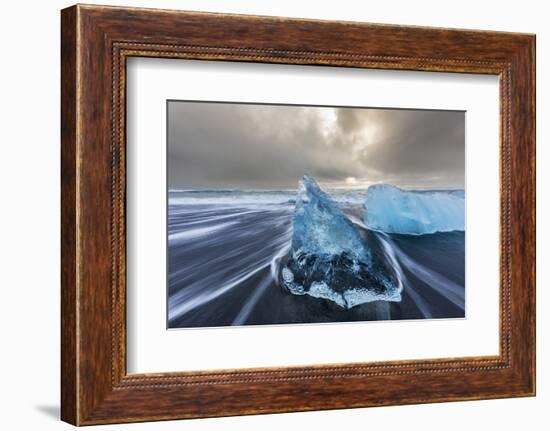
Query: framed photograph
(264,214)
(253,239)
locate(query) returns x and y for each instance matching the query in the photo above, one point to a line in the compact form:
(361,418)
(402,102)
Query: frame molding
(95,43)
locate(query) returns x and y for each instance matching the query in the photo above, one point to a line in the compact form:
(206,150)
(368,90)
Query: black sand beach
(224,261)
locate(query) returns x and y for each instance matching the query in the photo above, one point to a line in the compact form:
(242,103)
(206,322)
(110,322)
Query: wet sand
(223,270)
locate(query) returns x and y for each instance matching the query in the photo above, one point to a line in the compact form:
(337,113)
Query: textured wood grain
(69,366)
(96,41)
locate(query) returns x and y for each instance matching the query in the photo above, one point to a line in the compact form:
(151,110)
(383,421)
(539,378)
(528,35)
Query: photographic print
(291,214)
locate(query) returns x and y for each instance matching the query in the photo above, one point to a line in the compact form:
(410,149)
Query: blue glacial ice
(393,210)
(328,257)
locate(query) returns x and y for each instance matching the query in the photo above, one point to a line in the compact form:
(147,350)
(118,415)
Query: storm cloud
(230,145)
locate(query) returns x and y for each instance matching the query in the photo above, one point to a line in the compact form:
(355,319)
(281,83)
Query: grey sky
(221,145)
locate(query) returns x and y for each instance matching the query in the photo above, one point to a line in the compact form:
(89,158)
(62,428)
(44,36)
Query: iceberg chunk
(319,225)
(393,210)
(328,257)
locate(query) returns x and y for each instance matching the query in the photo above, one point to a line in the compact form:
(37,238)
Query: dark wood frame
(95,43)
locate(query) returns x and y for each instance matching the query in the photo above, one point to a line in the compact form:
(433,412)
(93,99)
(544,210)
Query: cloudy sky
(227,145)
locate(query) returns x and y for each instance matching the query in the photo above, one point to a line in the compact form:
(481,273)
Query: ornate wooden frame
(95,43)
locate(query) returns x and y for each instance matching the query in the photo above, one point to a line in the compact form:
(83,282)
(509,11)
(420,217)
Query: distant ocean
(226,249)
